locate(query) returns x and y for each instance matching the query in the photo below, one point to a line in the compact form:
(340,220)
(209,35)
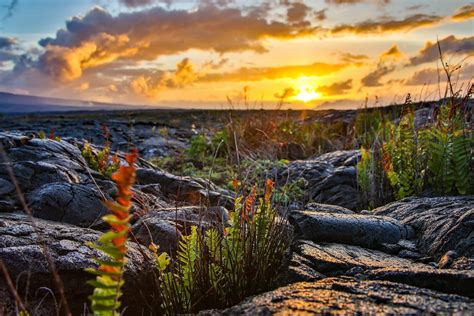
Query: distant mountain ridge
(18,103)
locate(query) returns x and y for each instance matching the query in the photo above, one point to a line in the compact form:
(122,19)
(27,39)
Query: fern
(407,158)
(106,296)
(216,269)
(450,154)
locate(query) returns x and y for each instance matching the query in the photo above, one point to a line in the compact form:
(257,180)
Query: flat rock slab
(445,280)
(22,253)
(334,259)
(349,296)
(442,223)
(352,229)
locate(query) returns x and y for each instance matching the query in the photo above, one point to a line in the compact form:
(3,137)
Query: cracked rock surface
(331,178)
(349,296)
(21,249)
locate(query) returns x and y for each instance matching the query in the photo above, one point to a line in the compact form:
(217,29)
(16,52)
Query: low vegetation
(106,297)
(215,269)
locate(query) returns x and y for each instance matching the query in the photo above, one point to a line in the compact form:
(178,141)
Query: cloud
(7,43)
(337,88)
(464,13)
(99,37)
(392,52)
(10,8)
(269,73)
(350,2)
(424,76)
(137,3)
(151,87)
(386,25)
(211,64)
(297,12)
(353,58)
(373,78)
(66,64)
(449,45)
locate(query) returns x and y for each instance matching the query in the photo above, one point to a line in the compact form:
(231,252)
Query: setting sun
(307,94)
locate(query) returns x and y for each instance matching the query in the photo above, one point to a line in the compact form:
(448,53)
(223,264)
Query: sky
(207,53)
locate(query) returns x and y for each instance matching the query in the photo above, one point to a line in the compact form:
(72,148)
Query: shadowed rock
(327,208)
(351,229)
(331,177)
(21,251)
(442,223)
(77,204)
(447,281)
(192,191)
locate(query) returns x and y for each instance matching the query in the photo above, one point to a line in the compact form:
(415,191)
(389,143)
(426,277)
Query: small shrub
(106,297)
(215,269)
(100,160)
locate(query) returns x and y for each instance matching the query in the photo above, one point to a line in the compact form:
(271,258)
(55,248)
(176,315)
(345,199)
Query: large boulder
(76,204)
(186,189)
(352,229)
(350,296)
(22,250)
(443,224)
(331,178)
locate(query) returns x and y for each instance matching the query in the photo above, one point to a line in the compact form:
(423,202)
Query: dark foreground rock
(443,224)
(22,253)
(447,281)
(349,296)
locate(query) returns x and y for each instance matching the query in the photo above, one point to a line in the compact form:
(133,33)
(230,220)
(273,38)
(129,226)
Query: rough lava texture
(350,296)
(22,252)
(331,178)
(415,256)
(352,229)
(442,224)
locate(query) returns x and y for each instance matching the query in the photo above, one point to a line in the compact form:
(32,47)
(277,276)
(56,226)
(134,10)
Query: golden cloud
(262,73)
(464,13)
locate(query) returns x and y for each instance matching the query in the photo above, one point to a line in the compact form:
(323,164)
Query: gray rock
(331,178)
(350,296)
(351,229)
(447,281)
(336,259)
(192,191)
(327,208)
(22,252)
(77,204)
(150,229)
(442,223)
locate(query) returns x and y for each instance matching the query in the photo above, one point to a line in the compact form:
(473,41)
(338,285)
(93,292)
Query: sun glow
(304,88)
(307,94)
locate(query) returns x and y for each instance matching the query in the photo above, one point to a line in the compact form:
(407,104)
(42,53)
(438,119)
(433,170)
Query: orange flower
(268,190)
(249,200)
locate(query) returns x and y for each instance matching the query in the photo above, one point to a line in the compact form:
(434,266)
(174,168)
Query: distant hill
(17,103)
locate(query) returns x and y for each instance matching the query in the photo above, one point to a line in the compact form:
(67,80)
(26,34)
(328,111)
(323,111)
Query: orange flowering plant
(106,297)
